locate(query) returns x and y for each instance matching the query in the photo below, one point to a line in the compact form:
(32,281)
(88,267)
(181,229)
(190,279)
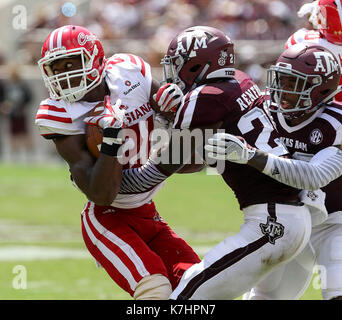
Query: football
(94,133)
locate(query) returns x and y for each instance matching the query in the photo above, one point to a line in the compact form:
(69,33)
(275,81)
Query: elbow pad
(323,168)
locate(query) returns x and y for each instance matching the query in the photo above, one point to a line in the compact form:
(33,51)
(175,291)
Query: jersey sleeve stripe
(189,112)
(334,109)
(135,60)
(143,68)
(51,108)
(293,40)
(334,122)
(180,112)
(53,118)
(59,114)
(132,59)
(338,138)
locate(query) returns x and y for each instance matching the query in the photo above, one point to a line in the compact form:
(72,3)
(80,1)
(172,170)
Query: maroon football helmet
(304,77)
(197,54)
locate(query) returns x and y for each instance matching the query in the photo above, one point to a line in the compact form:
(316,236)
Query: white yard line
(12,231)
(30,253)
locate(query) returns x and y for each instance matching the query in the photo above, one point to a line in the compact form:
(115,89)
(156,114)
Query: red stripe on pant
(107,264)
(113,273)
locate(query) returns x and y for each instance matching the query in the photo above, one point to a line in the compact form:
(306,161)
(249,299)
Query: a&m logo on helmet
(325,62)
(197,36)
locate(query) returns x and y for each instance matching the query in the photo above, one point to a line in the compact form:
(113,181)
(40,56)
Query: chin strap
(200,76)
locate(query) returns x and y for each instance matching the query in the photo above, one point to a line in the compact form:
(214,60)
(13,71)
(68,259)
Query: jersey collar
(299,126)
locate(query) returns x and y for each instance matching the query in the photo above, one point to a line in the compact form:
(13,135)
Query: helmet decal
(194,40)
(325,63)
(223,58)
(83,39)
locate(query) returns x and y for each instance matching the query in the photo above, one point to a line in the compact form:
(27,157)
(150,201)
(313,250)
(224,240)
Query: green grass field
(40,237)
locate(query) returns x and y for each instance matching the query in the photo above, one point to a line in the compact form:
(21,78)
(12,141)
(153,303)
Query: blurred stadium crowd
(259,29)
(149,25)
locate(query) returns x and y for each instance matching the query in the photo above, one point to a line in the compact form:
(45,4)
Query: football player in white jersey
(326,19)
(123,232)
(300,90)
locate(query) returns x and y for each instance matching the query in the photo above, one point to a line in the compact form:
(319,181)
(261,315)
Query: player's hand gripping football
(224,146)
(111,120)
(168,97)
(111,117)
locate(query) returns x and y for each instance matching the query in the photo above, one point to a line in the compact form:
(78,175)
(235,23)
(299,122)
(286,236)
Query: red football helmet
(197,54)
(67,42)
(329,19)
(304,78)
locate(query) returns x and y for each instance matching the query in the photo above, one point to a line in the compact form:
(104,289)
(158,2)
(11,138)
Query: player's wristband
(111,142)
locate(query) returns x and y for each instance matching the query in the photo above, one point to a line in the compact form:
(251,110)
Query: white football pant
(290,281)
(271,235)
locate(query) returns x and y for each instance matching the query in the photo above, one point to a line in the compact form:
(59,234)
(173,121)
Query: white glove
(312,9)
(111,117)
(168,97)
(224,146)
(305,9)
(315,200)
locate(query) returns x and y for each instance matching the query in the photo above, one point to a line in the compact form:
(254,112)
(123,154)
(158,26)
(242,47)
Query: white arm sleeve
(324,167)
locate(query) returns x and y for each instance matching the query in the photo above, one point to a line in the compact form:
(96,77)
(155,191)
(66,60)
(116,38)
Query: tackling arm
(324,167)
(154,172)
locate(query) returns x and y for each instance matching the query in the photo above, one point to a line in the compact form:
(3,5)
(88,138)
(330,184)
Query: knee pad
(153,287)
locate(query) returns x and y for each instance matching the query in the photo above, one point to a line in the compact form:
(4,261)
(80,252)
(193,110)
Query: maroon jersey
(238,104)
(322,130)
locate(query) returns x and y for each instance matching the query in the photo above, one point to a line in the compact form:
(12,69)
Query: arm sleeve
(142,179)
(323,168)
